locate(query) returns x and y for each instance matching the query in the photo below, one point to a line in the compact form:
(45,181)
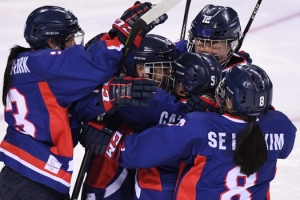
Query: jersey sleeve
(289,139)
(163,109)
(181,46)
(86,109)
(159,145)
(80,71)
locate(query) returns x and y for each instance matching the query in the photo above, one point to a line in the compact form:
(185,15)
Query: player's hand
(272,107)
(95,136)
(245,55)
(127,91)
(124,25)
(202,103)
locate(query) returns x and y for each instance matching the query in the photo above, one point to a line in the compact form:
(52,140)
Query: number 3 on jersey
(237,184)
(21,123)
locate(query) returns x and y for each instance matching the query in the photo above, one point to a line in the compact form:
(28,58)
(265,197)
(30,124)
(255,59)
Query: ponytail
(251,149)
(14,52)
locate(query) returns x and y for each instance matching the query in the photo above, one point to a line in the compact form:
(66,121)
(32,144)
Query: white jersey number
(237,184)
(22,124)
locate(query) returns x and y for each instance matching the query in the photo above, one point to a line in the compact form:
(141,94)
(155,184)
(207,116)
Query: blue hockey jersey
(163,109)
(204,144)
(111,182)
(38,143)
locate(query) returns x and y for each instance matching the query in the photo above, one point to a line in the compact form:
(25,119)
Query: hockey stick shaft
(83,168)
(248,25)
(185,17)
(162,7)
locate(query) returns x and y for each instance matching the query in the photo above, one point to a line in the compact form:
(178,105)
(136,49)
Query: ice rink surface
(273,42)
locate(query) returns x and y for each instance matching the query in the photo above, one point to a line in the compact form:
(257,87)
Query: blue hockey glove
(123,25)
(202,103)
(245,55)
(126,91)
(95,136)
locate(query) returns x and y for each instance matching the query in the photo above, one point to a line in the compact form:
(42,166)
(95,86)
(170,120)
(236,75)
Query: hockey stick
(83,168)
(248,25)
(186,13)
(162,7)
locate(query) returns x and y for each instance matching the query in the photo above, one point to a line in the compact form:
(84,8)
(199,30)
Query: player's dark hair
(251,149)
(14,52)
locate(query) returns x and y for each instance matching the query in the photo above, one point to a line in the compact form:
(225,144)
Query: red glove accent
(271,107)
(124,24)
(127,91)
(211,102)
(116,142)
(201,103)
(98,125)
(105,96)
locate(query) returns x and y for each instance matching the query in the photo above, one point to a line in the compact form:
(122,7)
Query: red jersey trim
(32,162)
(187,186)
(59,123)
(149,179)
(114,44)
(102,172)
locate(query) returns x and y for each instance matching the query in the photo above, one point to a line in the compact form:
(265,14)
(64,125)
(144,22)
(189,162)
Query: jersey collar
(235,118)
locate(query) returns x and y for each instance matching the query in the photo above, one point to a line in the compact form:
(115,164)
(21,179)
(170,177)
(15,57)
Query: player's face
(140,71)
(160,74)
(217,48)
(178,89)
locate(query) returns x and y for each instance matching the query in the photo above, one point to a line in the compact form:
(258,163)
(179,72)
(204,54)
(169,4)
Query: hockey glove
(126,91)
(130,16)
(246,56)
(116,142)
(271,107)
(202,103)
(95,136)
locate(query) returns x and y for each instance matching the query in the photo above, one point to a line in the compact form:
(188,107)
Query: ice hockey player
(155,55)
(40,83)
(190,69)
(216,30)
(221,156)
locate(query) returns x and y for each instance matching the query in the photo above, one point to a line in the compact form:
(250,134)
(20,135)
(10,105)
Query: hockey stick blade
(162,7)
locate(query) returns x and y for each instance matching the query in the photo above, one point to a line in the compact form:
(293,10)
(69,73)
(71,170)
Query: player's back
(38,142)
(44,83)
(212,174)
